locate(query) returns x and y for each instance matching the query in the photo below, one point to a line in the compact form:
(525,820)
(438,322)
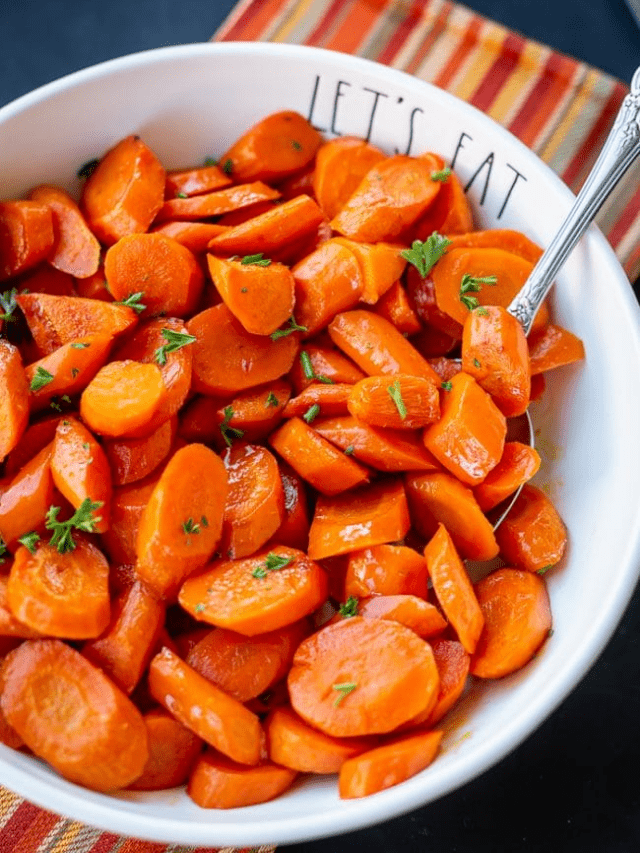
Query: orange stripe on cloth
(26,828)
(499,72)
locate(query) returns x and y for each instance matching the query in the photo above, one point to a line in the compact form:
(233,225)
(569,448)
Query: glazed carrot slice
(14,398)
(383,449)
(125,192)
(260,297)
(533,536)
(165,273)
(370,515)
(376,346)
(395,761)
(173,751)
(10,626)
(327,281)
(445,367)
(68,369)
(294,530)
(254,509)
(497,238)
(517,614)
(195,181)
(324,365)
(554,347)
(510,271)
(25,501)
(133,459)
(216,203)
(394,306)
(422,296)
(126,646)
(192,235)
(71,715)
(293,743)
(272,230)
(181,525)
(406,402)
(453,667)
(127,506)
(361,677)
(61,594)
(450,213)
(469,437)
(244,214)
(381,264)
(387,570)
(330,400)
(279,145)
(438,497)
(122,397)
(57,320)
(227,359)
(26,236)
(80,469)
(409,610)
(391,197)
(34,439)
(218,783)
(8,735)
(257,594)
(315,459)
(341,164)
(453,588)
(518,463)
(47,279)
(217,718)
(244,667)
(76,250)
(92,287)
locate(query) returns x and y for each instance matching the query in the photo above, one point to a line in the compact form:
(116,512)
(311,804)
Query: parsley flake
(441,175)
(257,260)
(544,569)
(229,432)
(227,166)
(82,519)
(30,541)
(133,301)
(272,400)
(446,385)
(41,378)
(344,689)
(311,413)
(74,372)
(210,161)
(472,284)
(308,371)
(476,363)
(272,563)
(395,392)
(296,145)
(8,304)
(288,330)
(3,550)
(181,195)
(199,607)
(349,608)
(175,341)
(481,312)
(80,345)
(348,451)
(425,254)
(190,526)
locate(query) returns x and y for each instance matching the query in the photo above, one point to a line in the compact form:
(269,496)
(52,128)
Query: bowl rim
(107,812)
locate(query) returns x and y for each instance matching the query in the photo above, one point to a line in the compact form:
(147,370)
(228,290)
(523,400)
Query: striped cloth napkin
(559,107)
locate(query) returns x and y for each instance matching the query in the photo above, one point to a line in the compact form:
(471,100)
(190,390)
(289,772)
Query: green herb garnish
(272,563)
(348,451)
(229,432)
(349,608)
(442,175)
(227,166)
(88,168)
(308,371)
(210,161)
(395,392)
(80,345)
(344,689)
(82,519)
(257,260)
(425,254)
(175,341)
(446,385)
(288,330)
(181,195)
(133,301)
(272,400)
(41,378)
(311,413)
(472,284)
(30,541)
(8,304)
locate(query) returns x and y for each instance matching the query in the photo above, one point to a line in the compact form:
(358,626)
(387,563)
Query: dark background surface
(574,785)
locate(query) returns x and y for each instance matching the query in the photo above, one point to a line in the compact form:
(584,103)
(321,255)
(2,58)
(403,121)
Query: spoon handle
(619,152)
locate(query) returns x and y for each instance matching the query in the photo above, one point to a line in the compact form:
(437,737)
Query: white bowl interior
(191,102)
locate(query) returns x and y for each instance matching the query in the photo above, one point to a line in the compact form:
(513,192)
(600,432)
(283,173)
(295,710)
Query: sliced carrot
(272,230)
(260,297)
(453,588)
(394,306)
(57,320)
(192,235)
(217,718)
(327,281)
(173,751)
(127,505)
(47,279)
(446,368)
(76,250)
(216,203)
(554,347)
(330,400)
(294,530)
(497,238)
(315,459)
(407,402)
(453,667)
(391,197)
(26,236)
(133,459)
(341,164)
(387,570)
(8,735)
(381,264)
(254,508)
(261,593)
(293,743)
(518,463)
(123,397)
(80,469)
(396,761)
(127,645)
(533,535)
(323,365)
(71,715)
(383,449)
(24,503)
(362,677)
(218,783)
(181,525)
(244,214)
(228,359)
(370,515)
(195,181)
(450,213)
(37,435)
(244,667)
(517,615)
(92,287)
(422,296)
(409,610)
(468,439)
(14,398)
(438,497)
(71,367)
(10,626)
(299,183)
(61,594)
(274,148)
(125,192)
(376,346)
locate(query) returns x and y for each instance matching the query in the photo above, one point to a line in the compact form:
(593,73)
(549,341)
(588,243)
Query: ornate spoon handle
(619,152)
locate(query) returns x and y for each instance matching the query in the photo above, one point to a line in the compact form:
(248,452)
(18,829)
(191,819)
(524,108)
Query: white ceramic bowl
(190,102)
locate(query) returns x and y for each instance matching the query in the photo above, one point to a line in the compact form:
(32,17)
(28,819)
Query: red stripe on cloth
(105,843)
(137,845)
(497,75)
(254,20)
(593,142)
(555,80)
(437,28)
(401,33)
(326,21)
(26,828)
(625,220)
(354,26)
(467,43)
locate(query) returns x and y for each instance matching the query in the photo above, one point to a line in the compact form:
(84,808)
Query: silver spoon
(618,153)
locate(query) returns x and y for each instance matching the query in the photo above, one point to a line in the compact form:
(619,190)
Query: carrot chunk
(554,347)
(14,398)
(341,164)
(173,751)
(386,570)
(407,402)
(518,463)
(216,203)
(453,667)
(408,610)
(122,397)
(533,535)
(23,505)
(68,369)
(26,236)
(218,783)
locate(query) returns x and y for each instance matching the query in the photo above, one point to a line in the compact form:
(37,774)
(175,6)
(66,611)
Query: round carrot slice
(122,397)
(218,782)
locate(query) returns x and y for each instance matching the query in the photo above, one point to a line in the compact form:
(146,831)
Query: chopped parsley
(446,385)
(308,371)
(425,254)
(272,563)
(133,301)
(30,541)
(476,363)
(210,161)
(295,144)
(227,166)
(544,569)
(349,608)
(312,413)
(395,392)
(348,451)
(343,690)
(175,341)
(229,432)
(471,284)
(257,260)
(88,168)
(441,175)
(8,304)
(190,526)
(3,550)
(82,519)
(41,378)
(272,400)
(181,195)
(80,345)
(288,330)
